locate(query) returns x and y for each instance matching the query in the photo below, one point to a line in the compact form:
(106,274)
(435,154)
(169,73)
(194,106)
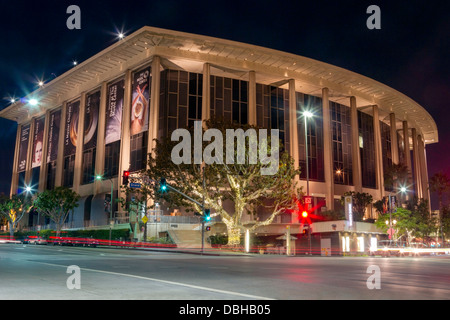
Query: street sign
(135,185)
(144,219)
(307,200)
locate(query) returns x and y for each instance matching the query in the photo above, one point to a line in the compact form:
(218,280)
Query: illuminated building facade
(100,117)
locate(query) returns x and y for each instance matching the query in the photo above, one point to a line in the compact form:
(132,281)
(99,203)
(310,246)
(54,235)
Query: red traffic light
(126,175)
(305,214)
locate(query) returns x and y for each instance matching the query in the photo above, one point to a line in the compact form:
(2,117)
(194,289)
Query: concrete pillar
(356,155)
(43,170)
(328,150)
(100,149)
(422,164)
(154,104)
(415,159)
(60,155)
(29,168)
(124,161)
(407,150)
(378,151)
(206,93)
(78,168)
(252,98)
(394,140)
(15,174)
(293,127)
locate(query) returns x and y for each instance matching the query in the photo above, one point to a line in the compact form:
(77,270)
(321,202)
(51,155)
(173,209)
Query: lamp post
(100,178)
(306,115)
(402,190)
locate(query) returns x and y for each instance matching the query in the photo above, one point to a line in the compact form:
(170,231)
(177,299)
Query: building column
(293,132)
(124,162)
(415,159)
(29,168)
(394,140)
(15,174)
(60,155)
(252,98)
(100,148)
(407,150)
(154,104)
(422,164)
(356,155)
(78,168)
(43,170)
(378,151)
(328,150)
(206,93)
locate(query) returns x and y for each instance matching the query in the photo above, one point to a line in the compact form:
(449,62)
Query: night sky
(410,53)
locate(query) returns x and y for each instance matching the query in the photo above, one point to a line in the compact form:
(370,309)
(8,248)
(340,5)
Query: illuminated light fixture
(33,102)
(305,214)
(338,171)
(75,63)
(13,100)
(308,114)
(41,83)
(121,36)
(403,189)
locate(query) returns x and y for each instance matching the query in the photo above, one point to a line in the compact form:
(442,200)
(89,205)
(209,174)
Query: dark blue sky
(410,53)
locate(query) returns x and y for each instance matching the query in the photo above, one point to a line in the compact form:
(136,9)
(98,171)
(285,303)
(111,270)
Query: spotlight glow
(33,102)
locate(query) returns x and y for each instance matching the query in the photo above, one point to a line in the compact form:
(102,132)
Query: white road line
(168,282)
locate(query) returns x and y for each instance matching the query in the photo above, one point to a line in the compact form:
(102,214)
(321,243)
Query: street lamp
(306,115)
(100,178)
(402,190)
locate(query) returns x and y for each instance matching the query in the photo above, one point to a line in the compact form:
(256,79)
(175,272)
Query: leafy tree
(13,209)
(57,204)
(360,201)
(241,182)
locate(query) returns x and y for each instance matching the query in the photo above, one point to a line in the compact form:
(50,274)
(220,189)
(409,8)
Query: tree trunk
(234,235)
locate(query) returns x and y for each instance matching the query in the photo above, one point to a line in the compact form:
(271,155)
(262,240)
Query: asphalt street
(44,272)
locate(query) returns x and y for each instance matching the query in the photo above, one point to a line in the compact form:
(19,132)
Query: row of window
(181,105)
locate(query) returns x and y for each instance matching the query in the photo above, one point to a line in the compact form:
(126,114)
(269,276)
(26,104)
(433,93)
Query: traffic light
(305,214)
(208,228)
(163,185)
(126,175)
(207,216)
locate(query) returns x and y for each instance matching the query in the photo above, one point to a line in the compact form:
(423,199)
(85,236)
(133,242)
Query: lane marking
(167,282)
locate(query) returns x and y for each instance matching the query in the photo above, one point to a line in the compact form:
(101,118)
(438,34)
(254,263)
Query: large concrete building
(101,116)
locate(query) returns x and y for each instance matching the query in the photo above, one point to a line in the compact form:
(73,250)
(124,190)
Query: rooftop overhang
(185,51)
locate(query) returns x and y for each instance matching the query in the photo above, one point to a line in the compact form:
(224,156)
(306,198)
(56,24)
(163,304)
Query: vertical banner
(140,102)
(349,210)
(114,112)
(71,130)
(91,120)
(23,147)
(53,135)
(38,142)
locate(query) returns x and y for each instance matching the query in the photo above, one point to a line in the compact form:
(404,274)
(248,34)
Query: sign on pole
(135,185)
(349,210)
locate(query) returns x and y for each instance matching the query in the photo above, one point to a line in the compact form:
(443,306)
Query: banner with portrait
(23,147)
(53,135)
(38,142)
(114,108)
(140,101)
(91,120)
(71,128)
